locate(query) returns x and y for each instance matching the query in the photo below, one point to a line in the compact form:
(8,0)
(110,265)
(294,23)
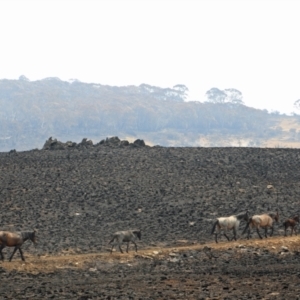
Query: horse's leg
(16,248)
(127,247)
(226,236)
(266,231)
(285,230)
(216,237)
(257,230)
(120,248)
(248,236)
(234,233)
(2,256)
(292,230)
(21,252)
(111,250)
(272,230)
(135,246)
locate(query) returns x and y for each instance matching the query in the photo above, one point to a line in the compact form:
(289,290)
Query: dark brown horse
(15,239)
(292,222)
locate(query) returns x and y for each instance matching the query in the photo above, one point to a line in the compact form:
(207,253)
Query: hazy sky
(252,46)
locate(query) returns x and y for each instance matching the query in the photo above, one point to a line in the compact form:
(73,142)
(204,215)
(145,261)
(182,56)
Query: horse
(292,222)
(262,221)
(126,237)
(229,223)
(15,239)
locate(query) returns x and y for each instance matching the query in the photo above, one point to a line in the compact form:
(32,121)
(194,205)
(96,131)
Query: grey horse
(127,236)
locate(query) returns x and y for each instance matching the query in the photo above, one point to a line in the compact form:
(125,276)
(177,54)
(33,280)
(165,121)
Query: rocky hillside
(78,196)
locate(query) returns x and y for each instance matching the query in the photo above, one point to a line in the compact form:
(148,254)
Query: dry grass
(290,123)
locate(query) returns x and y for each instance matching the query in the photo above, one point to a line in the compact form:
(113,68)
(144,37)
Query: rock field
(76,195)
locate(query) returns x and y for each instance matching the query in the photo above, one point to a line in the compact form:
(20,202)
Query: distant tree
(231,95)
(178,93)
(297,104)
(234,96)
(275,112)
(215,95)
(24,78)
(182,90)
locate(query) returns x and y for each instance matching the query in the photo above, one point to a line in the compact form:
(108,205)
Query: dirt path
(48,264)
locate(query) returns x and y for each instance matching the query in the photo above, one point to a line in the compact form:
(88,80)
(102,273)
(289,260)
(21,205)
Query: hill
(33,111)
(77,197)
(114,185)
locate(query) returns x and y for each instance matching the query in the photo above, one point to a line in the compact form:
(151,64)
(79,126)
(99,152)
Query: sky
(252,46)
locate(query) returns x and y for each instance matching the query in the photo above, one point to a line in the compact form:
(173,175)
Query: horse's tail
(214,227)
(247,226)
(3,237)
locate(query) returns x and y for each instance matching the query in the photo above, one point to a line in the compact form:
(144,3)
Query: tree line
(31,112)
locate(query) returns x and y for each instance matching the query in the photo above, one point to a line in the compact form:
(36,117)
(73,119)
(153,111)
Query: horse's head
(275,216)
(243,216)
(296,218)
(3,237)
(138,234)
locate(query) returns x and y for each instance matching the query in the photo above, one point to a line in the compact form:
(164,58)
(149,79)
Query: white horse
(229,223)
(125,236)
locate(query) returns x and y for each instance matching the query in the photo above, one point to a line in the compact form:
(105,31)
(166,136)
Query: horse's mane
(241,214)
(27,233)
(272,213)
